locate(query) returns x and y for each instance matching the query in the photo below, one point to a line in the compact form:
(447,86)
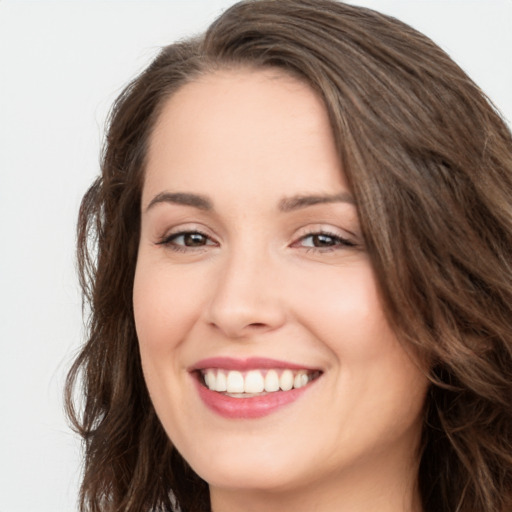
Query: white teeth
(271,381)
(254,381)
(286,380)
(209,379)
(301,379)
(220,382)
(235,382)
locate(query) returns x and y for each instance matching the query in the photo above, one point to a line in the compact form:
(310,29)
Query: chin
(258,470)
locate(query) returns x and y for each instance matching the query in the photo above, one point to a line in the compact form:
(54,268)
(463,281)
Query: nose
(247,299)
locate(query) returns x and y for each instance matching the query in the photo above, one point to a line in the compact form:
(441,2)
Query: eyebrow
(182,198)
(287,204)
(302,201)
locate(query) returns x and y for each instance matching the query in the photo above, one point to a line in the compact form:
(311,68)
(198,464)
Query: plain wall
(62,63)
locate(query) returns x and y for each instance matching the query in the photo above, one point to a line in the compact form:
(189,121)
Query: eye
(323,240)
(187,240)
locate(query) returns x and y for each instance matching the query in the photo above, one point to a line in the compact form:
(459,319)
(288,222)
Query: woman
(301,293)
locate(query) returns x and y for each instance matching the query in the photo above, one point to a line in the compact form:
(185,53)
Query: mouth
(255,382)
(251,388)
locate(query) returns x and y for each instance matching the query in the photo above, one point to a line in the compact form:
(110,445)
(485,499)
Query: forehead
(245,128)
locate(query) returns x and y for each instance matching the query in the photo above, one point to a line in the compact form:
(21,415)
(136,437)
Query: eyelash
(169,241)
(337,241)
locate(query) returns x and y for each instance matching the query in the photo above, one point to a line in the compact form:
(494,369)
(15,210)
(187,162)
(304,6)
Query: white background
(62,63)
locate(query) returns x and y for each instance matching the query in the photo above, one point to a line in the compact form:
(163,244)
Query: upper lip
(251,363)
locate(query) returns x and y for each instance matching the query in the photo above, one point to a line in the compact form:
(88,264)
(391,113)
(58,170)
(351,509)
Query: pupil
(323,240)
(194,239)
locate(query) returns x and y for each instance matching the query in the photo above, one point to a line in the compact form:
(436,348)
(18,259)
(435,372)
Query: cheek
(165,305)
(342,307)
(165,310)
(345,313)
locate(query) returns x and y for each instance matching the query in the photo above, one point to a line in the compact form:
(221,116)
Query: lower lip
(251,407)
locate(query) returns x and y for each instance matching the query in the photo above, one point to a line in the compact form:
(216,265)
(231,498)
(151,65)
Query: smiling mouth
(256,382)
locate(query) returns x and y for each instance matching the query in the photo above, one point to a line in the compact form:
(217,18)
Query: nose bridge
(246,297)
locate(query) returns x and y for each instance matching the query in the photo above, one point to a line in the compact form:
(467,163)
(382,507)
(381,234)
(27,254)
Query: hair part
(429,162)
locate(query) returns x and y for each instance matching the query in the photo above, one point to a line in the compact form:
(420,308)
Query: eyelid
(343,241)
(186,229)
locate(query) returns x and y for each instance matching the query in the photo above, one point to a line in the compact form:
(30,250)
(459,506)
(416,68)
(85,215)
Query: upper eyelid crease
(344,241)
(165,239)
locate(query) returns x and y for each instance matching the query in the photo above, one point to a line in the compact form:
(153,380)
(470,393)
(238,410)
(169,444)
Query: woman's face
(252,275)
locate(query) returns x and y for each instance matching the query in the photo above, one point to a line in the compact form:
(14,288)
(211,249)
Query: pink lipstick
(250,388)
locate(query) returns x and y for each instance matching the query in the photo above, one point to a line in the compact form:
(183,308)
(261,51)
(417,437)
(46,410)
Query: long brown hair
(429,161)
